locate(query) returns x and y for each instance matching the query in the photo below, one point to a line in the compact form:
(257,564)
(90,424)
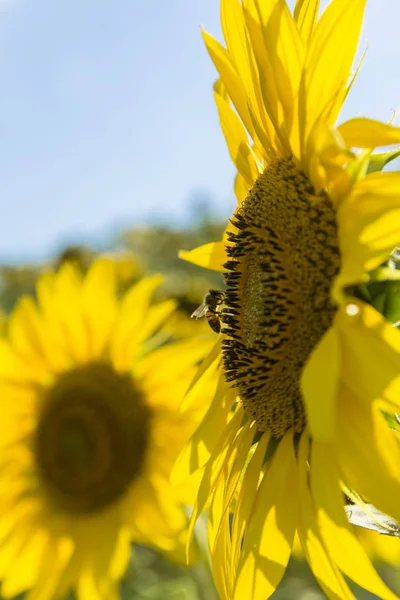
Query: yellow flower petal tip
(208,256)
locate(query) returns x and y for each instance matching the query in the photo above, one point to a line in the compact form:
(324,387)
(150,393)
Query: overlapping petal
(343,545)
(270,531)
(320,561)
(331,50)
(368,221)
(368,133)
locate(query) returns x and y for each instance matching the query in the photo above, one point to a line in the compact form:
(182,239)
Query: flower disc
(278,303)
(91,438)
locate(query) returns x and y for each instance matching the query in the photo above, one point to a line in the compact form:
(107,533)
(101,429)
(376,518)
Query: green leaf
(391,308)
(378,302)
(363,293)
(383,293)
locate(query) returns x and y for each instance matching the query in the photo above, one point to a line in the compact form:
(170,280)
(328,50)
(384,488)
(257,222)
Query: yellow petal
(269,538)
(23,572)
(257,16)
(110,558)
(242,58)
(33,341)
(306,14)
(169,434)
(325,571)
(16,513)
(62,307)
(342,544)
(232,480)
(119,558)
(230,475)
(207,367)
(211,256)
(246,499)
(266,140)
(88,587)
(369,225)
(232,23)
(219,535)
(226,69)
(13,546)
(54,564)
(219,550)
(154,512)
(46,293)
(92,587)
(155,318)
(166,372)
(368,133)
(202,443)
(215,465)
(99,304)
(113,592)
(319,383)
(327,162)
(157,519)
(381,548)
(236,139)
(132,313)
(285,54)
(241,188)
(369,453)
(331,50)
(365,335)
(13,368)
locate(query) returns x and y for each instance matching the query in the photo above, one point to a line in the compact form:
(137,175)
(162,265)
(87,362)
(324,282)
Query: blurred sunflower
(89,432)
(311,365)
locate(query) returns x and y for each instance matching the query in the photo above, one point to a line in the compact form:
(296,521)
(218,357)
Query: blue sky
(107,118)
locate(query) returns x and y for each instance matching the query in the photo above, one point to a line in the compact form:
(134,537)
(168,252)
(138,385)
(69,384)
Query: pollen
(282,260)
(91,440)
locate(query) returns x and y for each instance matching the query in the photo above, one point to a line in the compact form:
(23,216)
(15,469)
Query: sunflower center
(91,439)
(283,259)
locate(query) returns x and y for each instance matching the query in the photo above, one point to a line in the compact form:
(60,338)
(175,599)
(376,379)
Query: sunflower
(307,367)
(89,432)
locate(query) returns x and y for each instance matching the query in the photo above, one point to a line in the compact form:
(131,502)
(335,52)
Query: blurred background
(110,143)
(107,119)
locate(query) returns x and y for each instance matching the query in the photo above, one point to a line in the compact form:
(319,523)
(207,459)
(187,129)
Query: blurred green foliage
(157,248)
(150,249)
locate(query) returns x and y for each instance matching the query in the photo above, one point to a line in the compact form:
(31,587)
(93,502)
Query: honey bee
(209,309)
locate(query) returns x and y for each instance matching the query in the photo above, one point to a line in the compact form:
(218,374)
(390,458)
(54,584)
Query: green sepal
(358,167)
(392,419)
(391,308)
(378,161)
